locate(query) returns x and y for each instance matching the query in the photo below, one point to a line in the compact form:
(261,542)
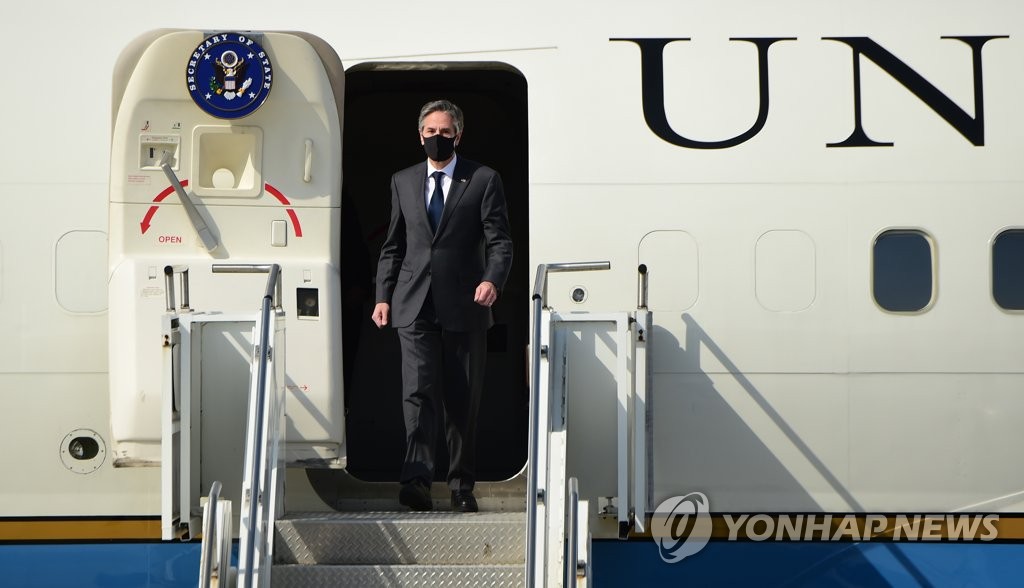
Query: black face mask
(438,147)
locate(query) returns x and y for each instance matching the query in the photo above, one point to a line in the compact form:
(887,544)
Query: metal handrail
(169,272)
(642,287)
(540,283)
(209,541)
(540,292)
(268,304)
(572,557)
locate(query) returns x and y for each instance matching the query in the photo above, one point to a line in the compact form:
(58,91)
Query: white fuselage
(779,383)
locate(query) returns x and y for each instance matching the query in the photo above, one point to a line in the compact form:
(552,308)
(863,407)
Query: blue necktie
(436,206)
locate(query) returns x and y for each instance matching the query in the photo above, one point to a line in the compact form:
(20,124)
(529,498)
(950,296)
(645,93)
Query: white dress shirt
(446,182)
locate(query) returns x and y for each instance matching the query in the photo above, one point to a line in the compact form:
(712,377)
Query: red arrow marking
(149,216)
(291,212)
(145,224)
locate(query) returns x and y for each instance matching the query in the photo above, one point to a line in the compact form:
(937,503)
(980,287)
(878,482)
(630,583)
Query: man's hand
(380,314)
(486,294)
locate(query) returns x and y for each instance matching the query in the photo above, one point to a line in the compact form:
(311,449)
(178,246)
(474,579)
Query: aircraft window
(1008,269)
(903,278)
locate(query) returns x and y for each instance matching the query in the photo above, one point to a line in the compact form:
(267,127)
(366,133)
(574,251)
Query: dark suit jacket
(472,244)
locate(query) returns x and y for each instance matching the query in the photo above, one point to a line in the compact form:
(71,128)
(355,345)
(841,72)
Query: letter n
(652,88)
(972,128)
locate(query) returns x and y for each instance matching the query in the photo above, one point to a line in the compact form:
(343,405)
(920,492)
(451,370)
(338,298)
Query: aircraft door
(226,149)
(383,101)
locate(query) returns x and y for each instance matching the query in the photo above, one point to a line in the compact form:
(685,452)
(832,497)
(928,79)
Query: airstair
(531,531)
(400,549)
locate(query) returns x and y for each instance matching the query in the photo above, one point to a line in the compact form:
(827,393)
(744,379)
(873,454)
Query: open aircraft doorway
(382,101)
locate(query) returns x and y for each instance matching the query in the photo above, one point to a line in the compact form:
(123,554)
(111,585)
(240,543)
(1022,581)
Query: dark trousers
(442,370)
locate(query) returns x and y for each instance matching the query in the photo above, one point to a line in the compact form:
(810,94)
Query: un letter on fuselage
(972,128)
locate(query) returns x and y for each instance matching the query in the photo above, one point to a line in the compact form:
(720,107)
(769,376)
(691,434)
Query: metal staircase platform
(413,576)
(400,549)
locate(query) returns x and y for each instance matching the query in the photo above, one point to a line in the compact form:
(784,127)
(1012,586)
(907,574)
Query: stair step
(372,540)
(412,576)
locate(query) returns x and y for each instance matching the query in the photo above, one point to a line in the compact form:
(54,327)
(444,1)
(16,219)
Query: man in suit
(446,257)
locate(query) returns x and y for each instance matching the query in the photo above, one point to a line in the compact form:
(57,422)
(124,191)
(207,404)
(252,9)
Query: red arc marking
(277,194)
(148,218)
(291,212)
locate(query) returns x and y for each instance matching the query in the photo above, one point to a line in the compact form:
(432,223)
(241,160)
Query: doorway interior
(382,103)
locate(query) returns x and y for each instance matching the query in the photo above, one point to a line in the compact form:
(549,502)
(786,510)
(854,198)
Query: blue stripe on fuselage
(636,563)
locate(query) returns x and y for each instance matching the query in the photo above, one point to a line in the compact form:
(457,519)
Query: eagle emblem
(230,69)
(229,75)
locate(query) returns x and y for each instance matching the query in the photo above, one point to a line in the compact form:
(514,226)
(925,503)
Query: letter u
(652,82)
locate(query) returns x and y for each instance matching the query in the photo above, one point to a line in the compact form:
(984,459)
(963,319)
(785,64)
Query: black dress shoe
(463,501)
(416,496)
